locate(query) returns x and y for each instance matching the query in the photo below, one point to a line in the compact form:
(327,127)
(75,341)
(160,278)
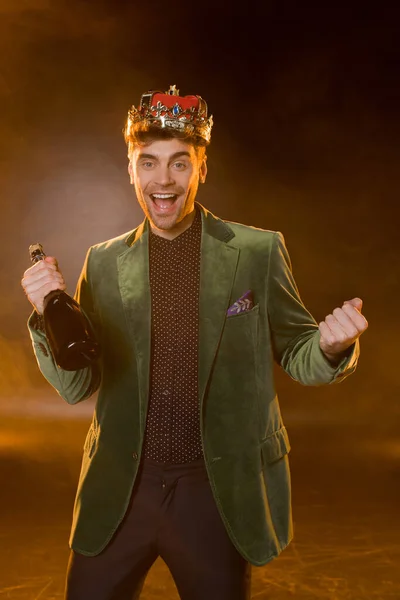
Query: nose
(164,176)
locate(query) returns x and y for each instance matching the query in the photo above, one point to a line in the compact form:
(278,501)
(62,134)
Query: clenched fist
(40,279)
(342,328)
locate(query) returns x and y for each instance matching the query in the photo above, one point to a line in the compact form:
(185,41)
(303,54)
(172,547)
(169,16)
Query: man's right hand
(40,279)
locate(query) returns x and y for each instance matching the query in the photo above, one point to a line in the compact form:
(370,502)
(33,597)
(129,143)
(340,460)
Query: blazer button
(135,455)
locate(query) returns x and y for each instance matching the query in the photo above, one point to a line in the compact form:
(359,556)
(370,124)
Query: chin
(167,222)
(164,224)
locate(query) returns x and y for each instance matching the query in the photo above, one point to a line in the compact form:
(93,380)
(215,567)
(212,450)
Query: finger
(40,266)
(358,319)
(326,334)
(51,260)
(346,322)
(39,295)
(336,329)
(356,302)
(36,285)
(41,277)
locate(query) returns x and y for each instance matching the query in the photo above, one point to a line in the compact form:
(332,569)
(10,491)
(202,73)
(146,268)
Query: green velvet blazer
(244,440)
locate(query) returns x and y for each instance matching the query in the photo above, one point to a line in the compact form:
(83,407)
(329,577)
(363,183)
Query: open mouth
(164,202)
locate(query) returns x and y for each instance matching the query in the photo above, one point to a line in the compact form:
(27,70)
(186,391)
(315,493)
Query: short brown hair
(153,134)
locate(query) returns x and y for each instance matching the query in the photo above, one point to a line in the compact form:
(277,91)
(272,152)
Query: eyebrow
(173,157)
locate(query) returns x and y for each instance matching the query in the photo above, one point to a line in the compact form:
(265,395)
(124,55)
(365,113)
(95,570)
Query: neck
(179,228)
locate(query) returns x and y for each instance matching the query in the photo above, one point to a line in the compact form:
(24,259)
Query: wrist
(334,359)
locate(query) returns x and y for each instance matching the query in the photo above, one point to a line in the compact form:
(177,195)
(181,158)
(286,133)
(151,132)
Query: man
(186,456)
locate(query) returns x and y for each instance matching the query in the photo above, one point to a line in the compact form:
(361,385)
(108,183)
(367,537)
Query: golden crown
(187,114)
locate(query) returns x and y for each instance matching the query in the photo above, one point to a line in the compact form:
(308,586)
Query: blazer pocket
(275,446)
(245,313)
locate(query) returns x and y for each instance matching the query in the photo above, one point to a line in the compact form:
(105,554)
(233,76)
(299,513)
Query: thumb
(52,261)
(356,302)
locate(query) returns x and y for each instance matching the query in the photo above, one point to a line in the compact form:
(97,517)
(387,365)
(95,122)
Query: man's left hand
(341,329)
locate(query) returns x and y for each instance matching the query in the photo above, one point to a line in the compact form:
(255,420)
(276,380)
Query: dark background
(305,100)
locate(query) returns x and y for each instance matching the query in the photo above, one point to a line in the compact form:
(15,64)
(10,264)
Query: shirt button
(135,455)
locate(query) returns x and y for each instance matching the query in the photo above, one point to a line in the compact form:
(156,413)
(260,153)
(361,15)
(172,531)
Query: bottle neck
(36,252)
(50,296)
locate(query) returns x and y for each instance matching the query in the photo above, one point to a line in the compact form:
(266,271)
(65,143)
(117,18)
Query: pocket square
(243,304)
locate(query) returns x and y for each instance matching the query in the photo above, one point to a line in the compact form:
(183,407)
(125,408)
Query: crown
(169,110)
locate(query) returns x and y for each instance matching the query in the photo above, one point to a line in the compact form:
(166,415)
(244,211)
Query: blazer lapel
(218,268)
(134,285)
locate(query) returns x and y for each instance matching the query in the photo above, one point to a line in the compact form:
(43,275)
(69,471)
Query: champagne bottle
(68,330)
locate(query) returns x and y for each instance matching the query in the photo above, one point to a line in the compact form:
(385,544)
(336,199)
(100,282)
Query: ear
(203,170)
(130,171)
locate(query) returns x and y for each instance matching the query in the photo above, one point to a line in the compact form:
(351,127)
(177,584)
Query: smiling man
(187,454)
(166,177)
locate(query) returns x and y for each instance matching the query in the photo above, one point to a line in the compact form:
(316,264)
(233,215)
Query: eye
(146,163)
(180,165)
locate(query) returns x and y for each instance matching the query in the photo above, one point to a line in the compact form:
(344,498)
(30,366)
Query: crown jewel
(170,110)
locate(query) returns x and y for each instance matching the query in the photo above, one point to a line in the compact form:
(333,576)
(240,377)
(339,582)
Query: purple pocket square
(243,304)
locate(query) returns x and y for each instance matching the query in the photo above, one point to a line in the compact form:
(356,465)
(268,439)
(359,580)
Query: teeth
(163,196)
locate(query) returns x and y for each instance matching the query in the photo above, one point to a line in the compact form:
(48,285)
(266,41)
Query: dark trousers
(172,514)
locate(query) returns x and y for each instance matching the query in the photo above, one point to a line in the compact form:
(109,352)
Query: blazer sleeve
(295,333)
(72,386)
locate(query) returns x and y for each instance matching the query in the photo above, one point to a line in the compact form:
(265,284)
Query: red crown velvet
(185,102)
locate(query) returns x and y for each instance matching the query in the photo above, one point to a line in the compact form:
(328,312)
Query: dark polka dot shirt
(173,420)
